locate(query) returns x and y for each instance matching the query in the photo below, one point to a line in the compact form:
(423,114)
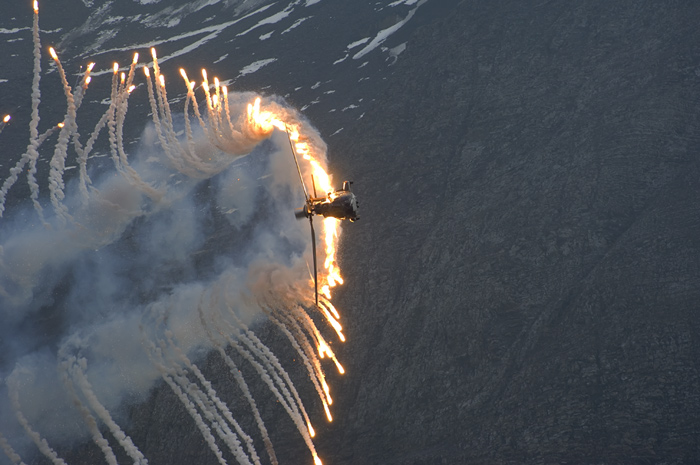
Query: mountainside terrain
(523,284)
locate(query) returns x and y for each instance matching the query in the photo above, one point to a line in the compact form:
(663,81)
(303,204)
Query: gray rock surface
(525,279)
(523,286)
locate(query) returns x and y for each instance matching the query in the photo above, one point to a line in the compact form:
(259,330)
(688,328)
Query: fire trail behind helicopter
(341,204)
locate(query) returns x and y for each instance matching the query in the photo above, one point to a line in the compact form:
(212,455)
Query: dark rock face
(525,277)
(524,282)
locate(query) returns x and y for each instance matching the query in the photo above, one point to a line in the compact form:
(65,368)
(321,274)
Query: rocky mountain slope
(523,283)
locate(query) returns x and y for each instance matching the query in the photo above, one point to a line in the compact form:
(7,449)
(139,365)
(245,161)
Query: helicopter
(341,204)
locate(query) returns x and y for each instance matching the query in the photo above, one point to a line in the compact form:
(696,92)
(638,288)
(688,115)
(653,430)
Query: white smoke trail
(32,153)
(269,359)
(66,363)
(233,369)
(77,371)
(155,354)
(58,161)
(211,395)
(305,351)
(14,387)
(9,451)
(268,373)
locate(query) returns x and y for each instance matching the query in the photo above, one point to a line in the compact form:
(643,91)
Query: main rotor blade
(313,244)
(296,162)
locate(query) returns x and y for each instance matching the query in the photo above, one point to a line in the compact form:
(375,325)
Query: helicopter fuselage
(341,204)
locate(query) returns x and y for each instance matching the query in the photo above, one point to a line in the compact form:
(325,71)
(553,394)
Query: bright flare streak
(123,78)
(317,461)
(60,125)
(131,88)
(215,100)
(136,58)
(312,433)
(90,66)
(327,391)
(332,309)
(146,71)
(341,370)
(328,411)
(53,53)
(323,349)
(153,53)
(116,67)
(161,78)
(36,7)
(264,120)
(88,79)
(184,76)
(6,118)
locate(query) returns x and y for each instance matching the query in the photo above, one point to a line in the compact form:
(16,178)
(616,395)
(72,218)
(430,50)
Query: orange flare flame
(328,411)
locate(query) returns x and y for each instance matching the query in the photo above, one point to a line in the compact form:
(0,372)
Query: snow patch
(276,18)
(296,23)
(357,43)
(221,58)
(253,67)
(404,2)
(385,33)
(395,52)
(341,59)
(267,36)
(212,32)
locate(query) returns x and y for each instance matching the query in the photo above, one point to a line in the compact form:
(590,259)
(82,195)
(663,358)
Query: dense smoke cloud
(131,274)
